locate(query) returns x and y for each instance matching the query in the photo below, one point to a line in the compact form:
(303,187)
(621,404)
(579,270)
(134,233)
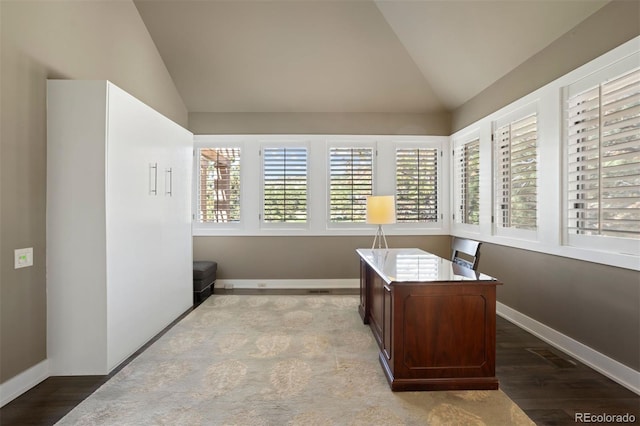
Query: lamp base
(380,237)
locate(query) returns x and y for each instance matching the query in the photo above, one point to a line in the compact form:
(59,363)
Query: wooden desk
(434,321)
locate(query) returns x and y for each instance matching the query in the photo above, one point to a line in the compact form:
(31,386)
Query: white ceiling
(415,56)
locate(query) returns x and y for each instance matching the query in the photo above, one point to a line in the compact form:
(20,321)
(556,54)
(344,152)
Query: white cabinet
(119,250)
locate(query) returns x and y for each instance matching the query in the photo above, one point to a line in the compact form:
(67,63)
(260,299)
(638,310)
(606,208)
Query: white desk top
(415,265)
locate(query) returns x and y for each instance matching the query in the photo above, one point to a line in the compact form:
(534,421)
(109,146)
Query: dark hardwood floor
(548,385)
(552,387)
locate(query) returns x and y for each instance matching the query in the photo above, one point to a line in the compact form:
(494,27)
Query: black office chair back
(465,252)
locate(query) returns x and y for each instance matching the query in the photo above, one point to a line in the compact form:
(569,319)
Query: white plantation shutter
(219,185)
(467,183)
(285,184)
(351,182)
(604,158)
(416,185)
(516,173)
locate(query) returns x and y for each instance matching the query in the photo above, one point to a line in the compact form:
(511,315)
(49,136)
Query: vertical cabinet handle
(153,178)
(168,182)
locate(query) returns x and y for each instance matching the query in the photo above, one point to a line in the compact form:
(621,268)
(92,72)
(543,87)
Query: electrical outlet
(23,257)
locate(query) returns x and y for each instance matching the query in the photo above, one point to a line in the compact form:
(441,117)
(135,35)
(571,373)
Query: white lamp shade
(381,209)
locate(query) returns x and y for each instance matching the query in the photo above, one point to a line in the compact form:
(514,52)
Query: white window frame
(551,233)
(604,243)
(318,184)
(283,225)
(217,142)
(459,143)
(348,143)
(498,229)
(432,143)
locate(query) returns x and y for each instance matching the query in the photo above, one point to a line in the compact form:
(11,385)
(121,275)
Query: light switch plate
(23,257)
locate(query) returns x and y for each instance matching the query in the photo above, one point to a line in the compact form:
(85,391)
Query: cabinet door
(146,244)
(363,309)
(376,315)
(387,327)
(175,255)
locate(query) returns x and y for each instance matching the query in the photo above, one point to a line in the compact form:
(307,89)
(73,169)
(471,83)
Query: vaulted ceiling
(417,56)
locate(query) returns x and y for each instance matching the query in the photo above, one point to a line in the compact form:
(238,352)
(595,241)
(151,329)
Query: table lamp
(381,210)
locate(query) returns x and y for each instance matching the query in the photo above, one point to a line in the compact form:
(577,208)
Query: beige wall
(330,257)
(609,27)
(40,40)
(595,304)
(321,123)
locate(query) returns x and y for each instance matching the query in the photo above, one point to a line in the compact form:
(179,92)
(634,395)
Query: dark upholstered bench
(204,276)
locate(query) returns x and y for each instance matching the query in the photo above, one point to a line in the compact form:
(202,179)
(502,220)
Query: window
(582,184)
(604,158)
(516,160)
(350,182)
(284,185)
(218,191)
(416,185)
(467,183)
(271,185)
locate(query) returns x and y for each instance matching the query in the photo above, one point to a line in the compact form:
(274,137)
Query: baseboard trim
(620,373)
(16,386)
(288,284)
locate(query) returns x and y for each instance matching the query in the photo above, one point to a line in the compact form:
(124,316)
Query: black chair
(465,252)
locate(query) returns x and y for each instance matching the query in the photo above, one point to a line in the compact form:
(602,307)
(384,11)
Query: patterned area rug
(276,360)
